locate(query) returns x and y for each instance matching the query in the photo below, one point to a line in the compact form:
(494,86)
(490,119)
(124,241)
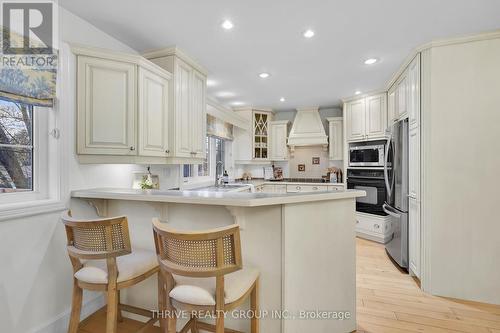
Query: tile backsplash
(304,155)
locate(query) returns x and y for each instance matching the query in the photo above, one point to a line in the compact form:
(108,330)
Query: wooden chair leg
(161,303)
(194,327)
(254,306)
(172,323)
(119,313)
(76,307)
(112,310)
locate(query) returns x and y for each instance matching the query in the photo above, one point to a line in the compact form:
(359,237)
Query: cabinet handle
(376,226)
(298,187)
(167,151)
(315,188)
(357,221)
(132,148)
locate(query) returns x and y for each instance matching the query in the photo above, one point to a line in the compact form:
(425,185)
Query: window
(219,156)
(214,162)
(199,171)
(16,147)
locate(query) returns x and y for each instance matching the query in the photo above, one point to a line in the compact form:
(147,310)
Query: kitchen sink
(223,188)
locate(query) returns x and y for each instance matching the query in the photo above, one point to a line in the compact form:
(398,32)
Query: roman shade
(27,78)
(219,128)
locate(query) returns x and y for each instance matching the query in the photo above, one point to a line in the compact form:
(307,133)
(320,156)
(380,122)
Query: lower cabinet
(373,227)
(414,236)
(297,188)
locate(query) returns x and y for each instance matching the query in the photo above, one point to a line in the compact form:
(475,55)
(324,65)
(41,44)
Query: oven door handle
(391,211)
(386,165)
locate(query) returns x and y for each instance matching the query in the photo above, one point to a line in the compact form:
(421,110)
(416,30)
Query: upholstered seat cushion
(129,267)
(201,291)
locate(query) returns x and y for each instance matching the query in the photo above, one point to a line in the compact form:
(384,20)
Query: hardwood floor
(388,301)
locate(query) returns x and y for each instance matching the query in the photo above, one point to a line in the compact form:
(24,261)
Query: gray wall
(323,112)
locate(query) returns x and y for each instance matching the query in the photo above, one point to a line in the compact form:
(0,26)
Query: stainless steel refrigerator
(396,181)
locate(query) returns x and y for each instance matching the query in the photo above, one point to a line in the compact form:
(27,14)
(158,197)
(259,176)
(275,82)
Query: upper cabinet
(414,92)
(366,118)
(106,94)
(123,108)
(278,131)
(391,106)
(336,138)
(153,114)
(254,142)
(188,101)
(404,95)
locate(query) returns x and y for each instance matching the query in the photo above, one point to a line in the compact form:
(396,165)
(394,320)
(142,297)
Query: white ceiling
(267,36)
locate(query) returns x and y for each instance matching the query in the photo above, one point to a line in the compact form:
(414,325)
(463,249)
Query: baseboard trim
(59,324)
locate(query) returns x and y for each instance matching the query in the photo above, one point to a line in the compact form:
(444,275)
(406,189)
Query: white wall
(461,162)
(35,272)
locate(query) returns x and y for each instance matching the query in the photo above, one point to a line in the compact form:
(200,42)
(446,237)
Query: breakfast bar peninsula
(303,244)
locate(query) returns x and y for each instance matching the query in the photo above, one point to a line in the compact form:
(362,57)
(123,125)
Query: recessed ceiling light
(308,33)
(371,61)
(282,99)
(264,75)
(228,25)
(357,92)
(237,103)
(225,94)
(211,83)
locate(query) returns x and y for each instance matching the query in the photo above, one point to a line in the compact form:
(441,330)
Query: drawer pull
(376,226)
(315,188)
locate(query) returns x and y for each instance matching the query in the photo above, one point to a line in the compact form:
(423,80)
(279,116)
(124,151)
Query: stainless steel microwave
(367,156)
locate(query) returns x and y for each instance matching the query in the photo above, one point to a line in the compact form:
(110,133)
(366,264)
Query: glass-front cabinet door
(261,135)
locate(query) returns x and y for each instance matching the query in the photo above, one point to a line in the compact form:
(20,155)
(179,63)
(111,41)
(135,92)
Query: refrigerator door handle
(386,166)
(390,211)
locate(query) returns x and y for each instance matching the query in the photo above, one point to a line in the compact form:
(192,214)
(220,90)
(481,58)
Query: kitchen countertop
(213,198)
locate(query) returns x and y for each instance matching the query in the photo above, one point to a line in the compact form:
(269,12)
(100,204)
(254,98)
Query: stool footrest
(211,328)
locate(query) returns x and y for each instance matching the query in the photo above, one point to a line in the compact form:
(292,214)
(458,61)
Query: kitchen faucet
(217,178)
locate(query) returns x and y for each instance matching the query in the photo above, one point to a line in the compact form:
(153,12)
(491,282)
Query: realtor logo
(28,27)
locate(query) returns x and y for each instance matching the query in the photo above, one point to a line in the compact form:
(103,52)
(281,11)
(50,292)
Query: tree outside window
(16,147)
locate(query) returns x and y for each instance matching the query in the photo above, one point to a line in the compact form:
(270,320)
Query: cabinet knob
(167,151)
(315,188)
(357,221)
(298,187)
(376,226)
(132,148)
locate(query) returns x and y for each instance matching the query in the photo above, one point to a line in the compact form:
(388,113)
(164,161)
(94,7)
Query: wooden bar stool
(103,260)
(203,271)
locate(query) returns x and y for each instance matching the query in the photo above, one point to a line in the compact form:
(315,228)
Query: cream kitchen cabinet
(355,112)
(366,118)
(122,108)
(402,96)
(278,131)
(391,106)
(336,138)
(415,239)
(414,92)
(106,94)
(254,142)
(187,100)
(153,114)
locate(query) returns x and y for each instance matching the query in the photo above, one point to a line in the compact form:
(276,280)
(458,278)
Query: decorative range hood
(307,129)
